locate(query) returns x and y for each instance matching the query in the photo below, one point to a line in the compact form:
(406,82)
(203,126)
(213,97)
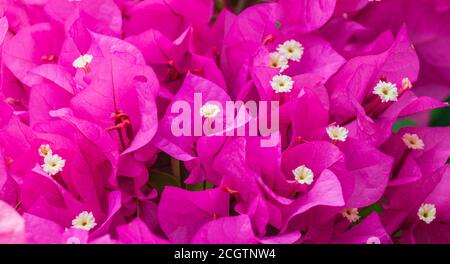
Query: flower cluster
(87,153)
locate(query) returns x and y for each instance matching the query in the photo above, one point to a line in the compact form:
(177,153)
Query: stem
(122,141)
(398,166)
(18,205)
(176,170)
(138,207)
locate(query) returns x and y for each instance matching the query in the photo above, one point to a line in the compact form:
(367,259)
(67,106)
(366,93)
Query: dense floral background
(87,154)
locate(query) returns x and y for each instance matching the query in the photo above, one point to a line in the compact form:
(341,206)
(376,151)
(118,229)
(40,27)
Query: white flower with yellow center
(45,150)
(82,61)
(337,133)
(351,214)
(73,240)
(53,164)
(427,213)
(282,83)
(278,61)
(406,83)
(303,175)
(85,220)
(209,110)
(373,240)
(291,49)
(413,141)
(387,91)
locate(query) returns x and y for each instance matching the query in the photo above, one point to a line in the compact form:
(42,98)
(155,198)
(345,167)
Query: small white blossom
(282,83)
(291,49)
(303,175)
(406,83)
(413,141)
(45,150)
(85,220)
(73,240)
(351,214)
(337,133)
(82,61)
(209,110)
(386,91)
(279,61)
(373,240)
(427,213)
(53,164)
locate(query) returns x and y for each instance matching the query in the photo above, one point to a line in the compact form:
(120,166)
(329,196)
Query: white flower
(351,214)
(373,240)
(337,133)
(45,150)
(282,83)
(427,213)
(53,164)
(277,60)
(73,240)
(85,220)
(413,141)
(291,49)
(386,91)
(209,110)
(303,175)
(406,83)
(83,61)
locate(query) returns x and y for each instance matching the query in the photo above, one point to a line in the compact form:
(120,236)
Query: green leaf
(278,24)
(176,169)
(376,207)
(441,117)
(200,186)
(403,123)
(159,179)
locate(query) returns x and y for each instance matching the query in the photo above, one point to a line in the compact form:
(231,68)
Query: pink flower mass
(87,96)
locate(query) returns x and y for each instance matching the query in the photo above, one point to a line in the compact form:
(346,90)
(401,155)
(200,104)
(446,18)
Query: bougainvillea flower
(181,213)
(237,230)
(415,175)
(30,47)
(137,232)
(369,231)
(12,227)
(305,16)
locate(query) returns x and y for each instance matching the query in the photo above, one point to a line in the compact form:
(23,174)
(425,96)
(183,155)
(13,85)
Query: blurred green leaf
(278,24)
(376,207)
(200,186)
(403,123)
(159,179)
(364,212)
(441,117)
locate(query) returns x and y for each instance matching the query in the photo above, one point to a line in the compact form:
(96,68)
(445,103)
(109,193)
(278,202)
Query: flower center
(427,213)
(413,141)
(82,62)
(282,83)
(303,175)
(209,110)
(291,49)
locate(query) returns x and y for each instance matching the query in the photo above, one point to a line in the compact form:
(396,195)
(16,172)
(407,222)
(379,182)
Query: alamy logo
(229,118)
